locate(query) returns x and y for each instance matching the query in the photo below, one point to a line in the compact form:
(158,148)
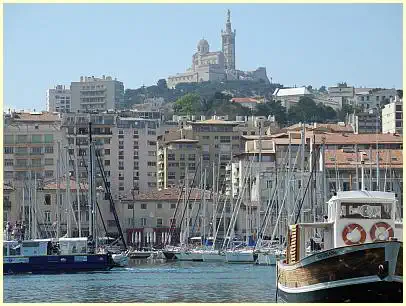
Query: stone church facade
(216,66)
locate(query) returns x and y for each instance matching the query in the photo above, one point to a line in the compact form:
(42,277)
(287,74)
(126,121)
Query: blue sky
(299,44)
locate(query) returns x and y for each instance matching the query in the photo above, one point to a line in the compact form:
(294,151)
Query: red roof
(244,100)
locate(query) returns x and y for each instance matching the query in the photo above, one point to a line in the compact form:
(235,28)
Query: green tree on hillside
(189,104)
(273,108)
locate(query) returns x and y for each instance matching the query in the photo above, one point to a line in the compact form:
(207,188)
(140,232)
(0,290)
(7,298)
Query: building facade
(58,99)
(392,117)
(96,94)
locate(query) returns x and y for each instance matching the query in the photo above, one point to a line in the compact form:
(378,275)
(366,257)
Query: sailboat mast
(204,203)
(58,198)
(90,182)
(77,188)
(302,169)
(214,200)
(35,207)
(67,191)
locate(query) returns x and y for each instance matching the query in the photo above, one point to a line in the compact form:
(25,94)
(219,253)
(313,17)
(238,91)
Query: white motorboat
(121,260)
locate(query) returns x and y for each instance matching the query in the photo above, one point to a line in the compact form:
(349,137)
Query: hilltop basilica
(218,65)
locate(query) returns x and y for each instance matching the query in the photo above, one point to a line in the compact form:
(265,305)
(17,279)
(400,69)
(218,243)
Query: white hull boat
(213,256)
(190,255)
(121,260)
(240,256)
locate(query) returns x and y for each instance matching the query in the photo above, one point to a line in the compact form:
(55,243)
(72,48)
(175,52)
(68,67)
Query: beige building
(175,158)
(96,94)
(392,117)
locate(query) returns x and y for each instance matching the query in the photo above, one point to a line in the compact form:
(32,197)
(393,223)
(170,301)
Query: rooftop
(169,194)
(299,91)
(214,122)
(62,186)
(244,100)
(35,116)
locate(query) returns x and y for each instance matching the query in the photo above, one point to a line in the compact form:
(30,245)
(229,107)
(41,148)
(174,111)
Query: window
(49,173)
(130,206)
(47,199)
(173,205)
(159,222)
(36,150)
(49,150)
(8,162)
(48,138)
(22,139)
(36,138)
(106,140)
(182,157)
(143,221)
(192,157)
(106,151)
(8,139)
(143,205)
(36,163)
(151,143)
(120,165)
(151,132)
(159,205)
(8,150)
(47,216)
(151,164)
(107,162)
(151,153)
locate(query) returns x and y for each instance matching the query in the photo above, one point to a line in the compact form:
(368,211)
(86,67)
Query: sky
(299,44)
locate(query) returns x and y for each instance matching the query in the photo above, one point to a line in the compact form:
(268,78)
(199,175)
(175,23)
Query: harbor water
(148,281)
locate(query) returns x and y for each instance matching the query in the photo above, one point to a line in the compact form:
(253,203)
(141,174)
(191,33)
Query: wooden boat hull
(57,263)
(359,273)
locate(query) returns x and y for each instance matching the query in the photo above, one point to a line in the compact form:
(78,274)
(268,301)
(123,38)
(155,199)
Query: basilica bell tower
(228,43)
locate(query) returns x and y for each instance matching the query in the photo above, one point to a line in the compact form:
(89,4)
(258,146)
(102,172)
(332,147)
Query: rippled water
(144,281)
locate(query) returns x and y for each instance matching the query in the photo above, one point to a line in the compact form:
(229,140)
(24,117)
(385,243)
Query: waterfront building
(96,94)
(58,99)
(365,122)
(392,117)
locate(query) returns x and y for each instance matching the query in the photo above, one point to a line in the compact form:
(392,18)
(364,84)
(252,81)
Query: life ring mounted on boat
(349,229)
(381,235)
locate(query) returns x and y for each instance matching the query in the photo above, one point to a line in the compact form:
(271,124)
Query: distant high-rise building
(97,94)
(59,99)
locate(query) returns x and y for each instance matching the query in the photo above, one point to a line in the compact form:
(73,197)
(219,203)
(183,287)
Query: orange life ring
(348,229)
(385,225)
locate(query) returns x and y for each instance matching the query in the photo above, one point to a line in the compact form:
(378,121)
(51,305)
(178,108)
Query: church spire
(228,23)
(228,43)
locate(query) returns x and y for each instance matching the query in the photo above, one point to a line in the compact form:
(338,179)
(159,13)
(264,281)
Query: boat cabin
(70,246)
(354,217)
(35,247)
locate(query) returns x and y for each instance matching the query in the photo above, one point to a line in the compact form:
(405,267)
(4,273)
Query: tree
(162,84)
(305,110)
(323,89)
(189,104)
(273,108)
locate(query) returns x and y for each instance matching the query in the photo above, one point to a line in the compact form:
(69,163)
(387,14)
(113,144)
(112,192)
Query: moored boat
(358,259)
(44,256)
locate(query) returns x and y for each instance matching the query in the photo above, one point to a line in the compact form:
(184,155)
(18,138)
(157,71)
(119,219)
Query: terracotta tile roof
(359,138)
(341,159)
(329,127)
(36,116)
(62,186)
(244,100)
(170,194)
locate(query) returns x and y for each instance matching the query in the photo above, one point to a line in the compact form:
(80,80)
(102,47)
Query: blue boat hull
(57,263)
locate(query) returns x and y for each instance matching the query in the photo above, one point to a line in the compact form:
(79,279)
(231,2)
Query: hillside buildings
(218,65)
(392,117)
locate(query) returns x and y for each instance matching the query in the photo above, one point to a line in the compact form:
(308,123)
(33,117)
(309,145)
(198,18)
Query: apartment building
(58,99)
(30,156)
(96,94)
(368,98)
(365,122)
(175,159)
(11,213)
(134,159)
(392,117)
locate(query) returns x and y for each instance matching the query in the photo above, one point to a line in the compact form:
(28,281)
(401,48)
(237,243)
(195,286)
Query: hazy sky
(302,44)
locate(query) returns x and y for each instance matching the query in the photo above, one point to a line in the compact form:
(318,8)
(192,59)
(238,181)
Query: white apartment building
(133,156)
(58,99)
(96,94)
(392,117)
(368,99)
(290,96)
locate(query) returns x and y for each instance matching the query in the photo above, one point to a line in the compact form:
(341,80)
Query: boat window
(366,210)
(16,250)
